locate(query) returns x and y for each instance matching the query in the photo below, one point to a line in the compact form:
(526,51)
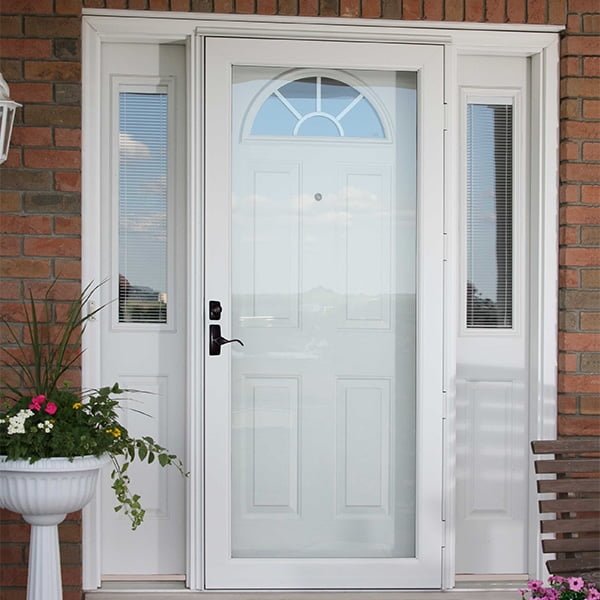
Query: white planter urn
(44,492)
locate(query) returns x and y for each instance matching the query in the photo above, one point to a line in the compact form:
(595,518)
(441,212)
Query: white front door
(324,248)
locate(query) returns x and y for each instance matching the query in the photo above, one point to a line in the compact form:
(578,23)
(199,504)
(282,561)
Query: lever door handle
(217,340)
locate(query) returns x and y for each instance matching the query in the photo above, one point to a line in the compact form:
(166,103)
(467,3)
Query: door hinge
(445,249)
(445,117)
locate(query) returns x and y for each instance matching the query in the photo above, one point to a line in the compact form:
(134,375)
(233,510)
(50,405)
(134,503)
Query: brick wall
(40,182)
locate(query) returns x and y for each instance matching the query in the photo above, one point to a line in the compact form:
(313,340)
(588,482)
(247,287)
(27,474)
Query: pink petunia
(556,579)
(535,585)
(575,583)
(51,408)
(593,594)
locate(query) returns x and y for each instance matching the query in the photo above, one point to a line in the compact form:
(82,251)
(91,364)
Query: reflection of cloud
(154,224)
(132,149)
(156,186)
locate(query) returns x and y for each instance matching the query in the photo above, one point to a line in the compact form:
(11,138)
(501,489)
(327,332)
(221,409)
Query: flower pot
(43,493)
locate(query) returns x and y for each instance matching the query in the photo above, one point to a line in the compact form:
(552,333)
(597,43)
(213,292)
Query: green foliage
(58,421)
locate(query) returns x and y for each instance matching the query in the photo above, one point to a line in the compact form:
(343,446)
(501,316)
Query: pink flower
(556,579)
(551,594)
(36,402)
(51,408)
(535,585)
(576,583)
(593,594)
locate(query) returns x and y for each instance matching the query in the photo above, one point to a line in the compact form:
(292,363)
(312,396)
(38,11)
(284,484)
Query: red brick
(591,66)
(25,48)
(580,45)
(67,137)
(569,151)
(570,65)
(26,7)
(590,193)
(32,136)
(371,9)
(68,7)
(569,193)
(567,362)
(67,225)
(11,26)
(495,12)
(515,11)
(580,256)
(591,109)
(10,246)
(44,246)
(159,4)
(290,7)
(67,268)
(579,342)
(53,159)
(266,7)
(24,267)
(580,214)
(591,151)
(573,23)
(580,426)
(68,181)
(454,10)
(31,92)
(433,10)
(569,278)
(25,224)
(591,23)
(567,405)
(9,202)
(474,10)
(53,71)
(578,383)
(61,290)
(10,554)
(578,87)
(15,532)
(583,6)
(590,405)
(569,235)
(53,27)
(557,12)
(349,8)
(138,4)
(180,5)
(223,6)
(568,171)
(244,6)
(412,10)
(10,290)
(536,11)
(13,576)
(309,8)
(570,108)
(14,158)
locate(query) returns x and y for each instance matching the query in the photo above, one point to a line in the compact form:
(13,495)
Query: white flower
(16,423)
(47,426)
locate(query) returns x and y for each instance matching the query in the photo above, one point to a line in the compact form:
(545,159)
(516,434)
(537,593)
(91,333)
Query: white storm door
(324,247)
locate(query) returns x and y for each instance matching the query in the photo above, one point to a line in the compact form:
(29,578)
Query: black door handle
(217,340)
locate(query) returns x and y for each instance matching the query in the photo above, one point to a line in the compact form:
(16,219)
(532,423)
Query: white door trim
(540,42)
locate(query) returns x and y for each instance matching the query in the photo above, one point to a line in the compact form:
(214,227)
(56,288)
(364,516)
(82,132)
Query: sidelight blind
(143,166)
(489,285)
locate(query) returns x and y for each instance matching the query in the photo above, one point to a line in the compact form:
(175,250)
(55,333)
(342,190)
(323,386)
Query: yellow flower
(116,432)
(77,405)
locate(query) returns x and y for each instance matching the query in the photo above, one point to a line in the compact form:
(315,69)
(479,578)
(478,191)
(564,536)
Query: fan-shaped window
(317,107)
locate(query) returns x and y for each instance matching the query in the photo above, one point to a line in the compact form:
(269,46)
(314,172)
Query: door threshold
(460,594)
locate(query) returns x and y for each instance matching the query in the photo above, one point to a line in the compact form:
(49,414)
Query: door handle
(217,340)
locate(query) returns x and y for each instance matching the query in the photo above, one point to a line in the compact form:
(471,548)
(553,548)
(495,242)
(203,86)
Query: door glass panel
(324,298)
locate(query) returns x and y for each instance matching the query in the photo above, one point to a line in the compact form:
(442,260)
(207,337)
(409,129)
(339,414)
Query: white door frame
(539,42)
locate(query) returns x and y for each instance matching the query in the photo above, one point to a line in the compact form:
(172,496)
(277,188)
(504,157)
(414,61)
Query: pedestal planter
(43,493)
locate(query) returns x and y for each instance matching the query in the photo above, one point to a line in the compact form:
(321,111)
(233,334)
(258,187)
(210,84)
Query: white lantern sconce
(8,108)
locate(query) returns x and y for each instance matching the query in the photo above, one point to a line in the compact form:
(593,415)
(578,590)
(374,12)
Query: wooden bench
(576,525)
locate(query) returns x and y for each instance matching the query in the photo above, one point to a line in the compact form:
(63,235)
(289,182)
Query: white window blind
(489,292)
(143,166)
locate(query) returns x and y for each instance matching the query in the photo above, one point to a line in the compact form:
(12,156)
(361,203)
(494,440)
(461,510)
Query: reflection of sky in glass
(339,109)
(489,189)
(143,189)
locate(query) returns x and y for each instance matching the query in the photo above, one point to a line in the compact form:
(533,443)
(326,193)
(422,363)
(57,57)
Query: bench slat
(580,465)
(569,485)
(573,565)
(565,446)
(569,505)
(585,544)
(570,525)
